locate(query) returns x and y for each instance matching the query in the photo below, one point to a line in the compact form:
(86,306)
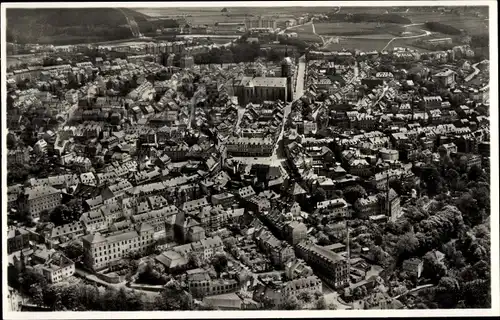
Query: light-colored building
(295,232)
(389,154)
(368,206)
(201,285)
(278,293)
(40,147)
(58,268)
(100,252)
(445,78)
(40,198)
(297,269)
(257,147)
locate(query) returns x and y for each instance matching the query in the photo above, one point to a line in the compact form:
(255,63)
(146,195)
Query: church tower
(286,72)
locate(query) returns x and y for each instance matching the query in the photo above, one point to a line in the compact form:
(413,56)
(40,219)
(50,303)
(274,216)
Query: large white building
(40,198)
(101,252)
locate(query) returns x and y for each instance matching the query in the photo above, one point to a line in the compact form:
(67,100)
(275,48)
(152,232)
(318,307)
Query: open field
(354,29)
(159,12)
(305,33)
(371,44)
(309,37)
(382,36)
(471,24)
(306,28)
(405,43)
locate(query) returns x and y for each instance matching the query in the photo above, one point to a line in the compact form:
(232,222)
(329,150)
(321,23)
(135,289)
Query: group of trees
(353,193)
(442,28)
(89,297)
(74,297)
(241,52)
(173,298)
(152,274)
(64,213)
(67,25)
(448,230)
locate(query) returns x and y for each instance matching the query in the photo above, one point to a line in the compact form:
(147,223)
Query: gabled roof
(297,189)
(94,238)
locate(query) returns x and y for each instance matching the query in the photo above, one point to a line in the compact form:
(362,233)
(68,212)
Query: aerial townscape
(319,158)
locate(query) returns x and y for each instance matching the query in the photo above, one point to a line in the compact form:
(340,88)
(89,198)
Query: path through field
(425,34)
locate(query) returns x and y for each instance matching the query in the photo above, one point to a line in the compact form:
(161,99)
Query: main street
(278,155)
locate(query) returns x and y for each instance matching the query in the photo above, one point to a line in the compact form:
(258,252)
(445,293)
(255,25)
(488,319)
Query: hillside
(138,16)
(58,26)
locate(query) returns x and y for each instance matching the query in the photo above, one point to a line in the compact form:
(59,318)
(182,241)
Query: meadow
(347,28)
(471,24)
(305,33)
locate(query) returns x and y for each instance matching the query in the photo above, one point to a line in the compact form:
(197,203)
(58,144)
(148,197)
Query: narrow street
(278,155)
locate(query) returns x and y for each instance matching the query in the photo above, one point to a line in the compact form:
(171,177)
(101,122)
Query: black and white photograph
(329,158)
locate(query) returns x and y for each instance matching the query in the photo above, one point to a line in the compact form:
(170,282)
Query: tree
(173,298)
(17,174)
(29,278)
(359,292)
(305,297)
(433,269)
(64,214)
(36,294)
(52,298)
(353,193)
(195,259)
(219,262)
(267,303)
(477,293)
(475,172)
(74,251)
(407,245)
(323,239)
(469,207)
(332,306)
(452,177)
(432,179)
(415,214)
(152,275)
(447,292)
(319,195)
(321,304)
(229,243)
(291,303)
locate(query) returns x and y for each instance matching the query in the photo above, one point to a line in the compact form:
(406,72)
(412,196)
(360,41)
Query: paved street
(91,277)
(299,88)
(332,297)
